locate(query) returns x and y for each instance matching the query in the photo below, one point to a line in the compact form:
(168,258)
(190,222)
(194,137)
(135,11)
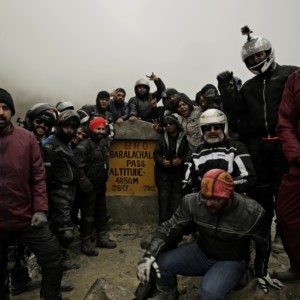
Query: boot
(17,289)
(20,280)
(87,247)
(276,245)
(287,276)
(146,289)
(66,286)
(103,241)
(68,265)
(165,293)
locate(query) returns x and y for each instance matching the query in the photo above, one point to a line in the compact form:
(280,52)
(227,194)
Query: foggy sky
(52,50)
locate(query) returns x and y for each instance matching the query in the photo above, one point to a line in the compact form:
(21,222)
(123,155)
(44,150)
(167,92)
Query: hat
(102,95)
(167,93)
(183,97)
(172,118)
(97,121)
(216,183)
(5,97)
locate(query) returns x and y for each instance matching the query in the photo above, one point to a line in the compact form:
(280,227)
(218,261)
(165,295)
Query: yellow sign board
(131,168)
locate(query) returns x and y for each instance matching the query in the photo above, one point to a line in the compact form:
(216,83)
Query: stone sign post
(131,191)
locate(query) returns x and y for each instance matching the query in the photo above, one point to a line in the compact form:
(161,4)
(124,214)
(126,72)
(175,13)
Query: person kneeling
(226,222)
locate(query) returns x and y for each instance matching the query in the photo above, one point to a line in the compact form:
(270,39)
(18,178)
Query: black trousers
(94,211)
(270,165)
(49,256)
(169,196)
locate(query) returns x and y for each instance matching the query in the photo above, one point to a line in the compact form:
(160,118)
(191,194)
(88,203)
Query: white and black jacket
(228,155)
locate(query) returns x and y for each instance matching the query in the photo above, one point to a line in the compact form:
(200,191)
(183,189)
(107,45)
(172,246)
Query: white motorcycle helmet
(213,117)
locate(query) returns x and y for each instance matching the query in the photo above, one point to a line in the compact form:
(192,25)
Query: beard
(4,121)
(142,95)
(214,139)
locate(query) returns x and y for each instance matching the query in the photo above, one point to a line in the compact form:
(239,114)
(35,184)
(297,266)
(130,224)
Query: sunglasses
(213,126)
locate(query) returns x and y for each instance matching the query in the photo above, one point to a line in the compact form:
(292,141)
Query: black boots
(287,276)
(165,293)
(16,289)
(87,247)
(103,241)
(20,280)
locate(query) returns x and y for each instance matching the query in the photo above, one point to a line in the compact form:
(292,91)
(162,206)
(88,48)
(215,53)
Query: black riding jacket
(92,159)
(260,98)
(141,108)
(224,236)
(165,149)
(60,165)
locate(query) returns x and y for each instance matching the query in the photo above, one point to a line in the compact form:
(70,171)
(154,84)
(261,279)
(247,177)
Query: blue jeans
(219,277)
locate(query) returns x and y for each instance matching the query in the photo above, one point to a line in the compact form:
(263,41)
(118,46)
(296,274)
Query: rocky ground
(112,274)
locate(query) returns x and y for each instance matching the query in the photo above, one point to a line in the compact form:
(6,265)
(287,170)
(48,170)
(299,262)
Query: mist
(70,49)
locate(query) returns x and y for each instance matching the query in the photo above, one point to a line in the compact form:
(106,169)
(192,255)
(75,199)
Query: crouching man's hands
(144,268)
(266,281)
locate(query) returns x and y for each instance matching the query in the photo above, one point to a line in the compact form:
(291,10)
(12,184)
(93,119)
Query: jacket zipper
(265,107)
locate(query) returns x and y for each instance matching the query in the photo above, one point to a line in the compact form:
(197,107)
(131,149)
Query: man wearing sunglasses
(217,151)
(226,223)
(40,119)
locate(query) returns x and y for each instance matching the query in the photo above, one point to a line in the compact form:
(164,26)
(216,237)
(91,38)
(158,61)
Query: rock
(103,290)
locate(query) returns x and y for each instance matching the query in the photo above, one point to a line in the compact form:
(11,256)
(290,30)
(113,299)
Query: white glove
(144,267)
(267,280)
(38,219)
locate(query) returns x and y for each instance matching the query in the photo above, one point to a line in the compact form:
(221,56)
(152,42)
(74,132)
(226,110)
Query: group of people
(220,161)
(243,163)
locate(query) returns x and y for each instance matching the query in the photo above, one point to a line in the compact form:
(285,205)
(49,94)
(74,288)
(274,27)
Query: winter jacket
(61,168)
(22,179)
(191,127)
(228,155)
(95,111)
(289,122)
(92,159)
(141,108)
(260,98)
(224,236)
(162,151)
(118,110)
(62,177)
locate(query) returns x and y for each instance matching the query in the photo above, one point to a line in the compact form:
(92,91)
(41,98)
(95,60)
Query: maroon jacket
(289,121)
(22,179)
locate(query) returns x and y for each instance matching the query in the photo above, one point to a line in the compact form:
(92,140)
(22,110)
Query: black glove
(225,77)
(226,84)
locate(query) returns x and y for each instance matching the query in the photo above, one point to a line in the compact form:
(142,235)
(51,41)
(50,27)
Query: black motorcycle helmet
(67,117)
(42,111)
